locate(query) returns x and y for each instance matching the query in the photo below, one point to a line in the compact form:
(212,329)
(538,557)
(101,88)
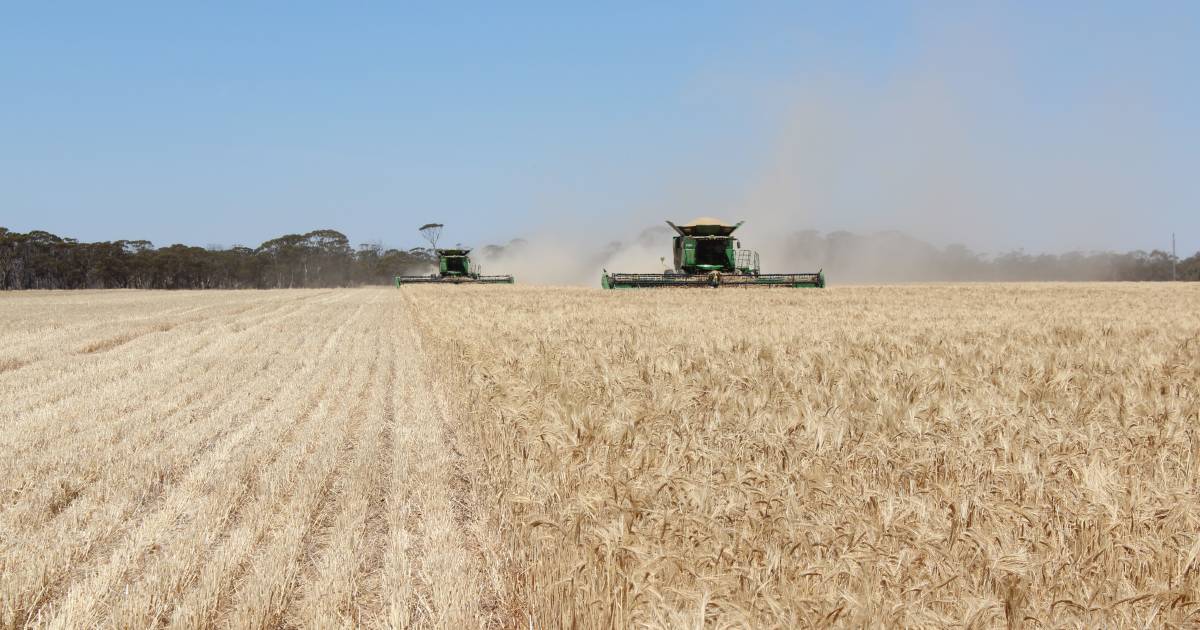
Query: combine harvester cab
(454,265)
(707,255)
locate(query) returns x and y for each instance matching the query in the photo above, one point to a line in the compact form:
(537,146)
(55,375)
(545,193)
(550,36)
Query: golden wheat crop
(940,456)
(924,456)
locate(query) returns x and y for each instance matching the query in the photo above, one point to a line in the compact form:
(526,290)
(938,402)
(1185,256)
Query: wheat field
(983,456)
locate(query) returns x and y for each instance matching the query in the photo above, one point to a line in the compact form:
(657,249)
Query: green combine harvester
(454,265)
(707,255)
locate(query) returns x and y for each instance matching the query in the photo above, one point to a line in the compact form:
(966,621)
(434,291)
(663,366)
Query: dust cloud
(928,174)
(567,258)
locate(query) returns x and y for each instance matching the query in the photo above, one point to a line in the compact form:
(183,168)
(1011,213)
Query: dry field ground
(983,456)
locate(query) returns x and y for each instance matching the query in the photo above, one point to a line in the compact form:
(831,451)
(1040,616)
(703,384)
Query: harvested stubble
(217,459)
(978,456)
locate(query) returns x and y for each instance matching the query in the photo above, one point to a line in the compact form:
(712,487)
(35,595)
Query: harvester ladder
(746,259)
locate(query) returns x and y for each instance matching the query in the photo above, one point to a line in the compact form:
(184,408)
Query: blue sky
(1047,126)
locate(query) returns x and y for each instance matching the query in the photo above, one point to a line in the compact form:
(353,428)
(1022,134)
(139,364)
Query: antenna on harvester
(431,232)
(1172,257)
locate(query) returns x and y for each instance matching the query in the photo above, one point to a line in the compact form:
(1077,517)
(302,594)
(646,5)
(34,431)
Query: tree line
(896,257)
(324,258)
(321,258)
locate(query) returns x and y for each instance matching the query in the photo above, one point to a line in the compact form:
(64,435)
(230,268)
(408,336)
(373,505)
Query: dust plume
(569,258)
(930,173)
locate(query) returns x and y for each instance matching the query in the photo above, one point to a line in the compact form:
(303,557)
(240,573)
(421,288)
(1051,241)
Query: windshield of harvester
(710,252)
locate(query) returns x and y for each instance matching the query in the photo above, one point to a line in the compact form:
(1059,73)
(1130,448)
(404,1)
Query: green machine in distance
(707,255)
(454,265)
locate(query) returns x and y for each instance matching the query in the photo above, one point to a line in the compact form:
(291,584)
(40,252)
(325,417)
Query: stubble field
(980,456)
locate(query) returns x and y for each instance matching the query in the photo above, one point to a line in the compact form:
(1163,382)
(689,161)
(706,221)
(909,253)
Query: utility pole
(1172,257)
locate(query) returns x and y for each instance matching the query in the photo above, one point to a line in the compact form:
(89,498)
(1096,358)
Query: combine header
(707,255)
(454,265)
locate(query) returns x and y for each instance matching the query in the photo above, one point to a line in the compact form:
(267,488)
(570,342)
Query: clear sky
(1043,125)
